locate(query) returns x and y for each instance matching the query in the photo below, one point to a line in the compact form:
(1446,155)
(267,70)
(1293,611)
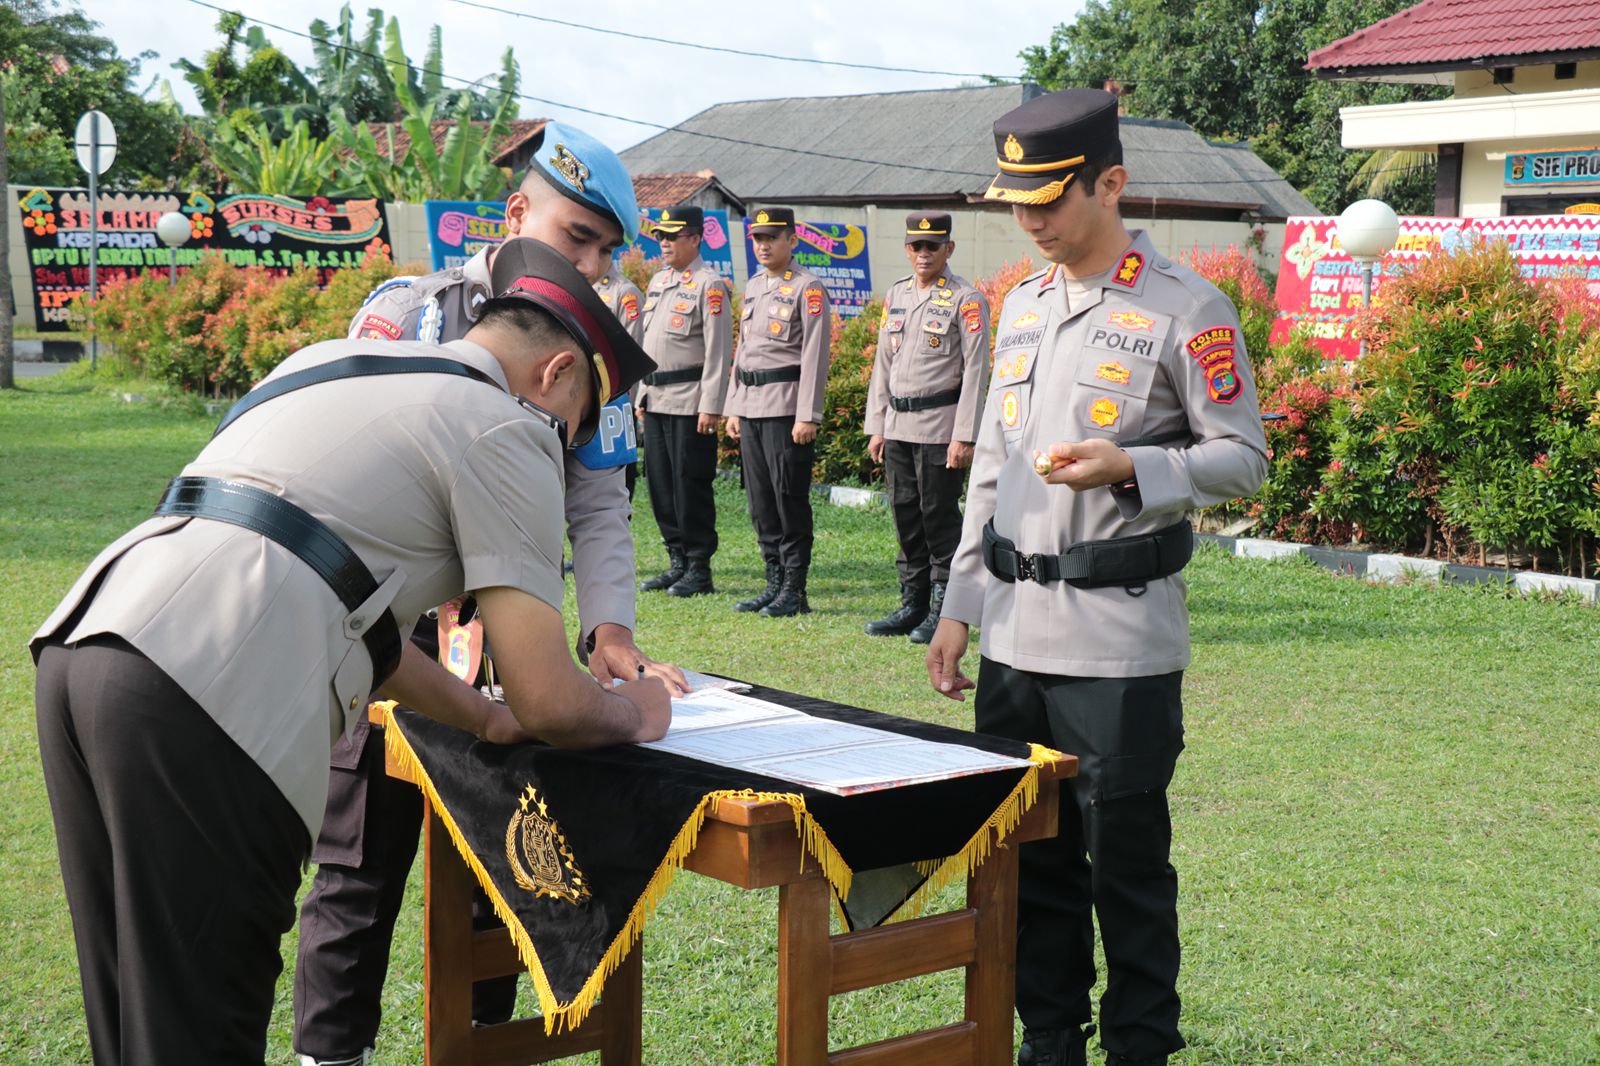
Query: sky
(569,68)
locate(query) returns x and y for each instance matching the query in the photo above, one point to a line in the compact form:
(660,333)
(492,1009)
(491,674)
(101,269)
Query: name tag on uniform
(615,442)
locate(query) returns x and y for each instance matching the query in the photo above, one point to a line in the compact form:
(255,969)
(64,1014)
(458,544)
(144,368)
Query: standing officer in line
(192,681)
(625,301)
(688,315)
(922,416)
(775,407)
(1121,399)
(578,199)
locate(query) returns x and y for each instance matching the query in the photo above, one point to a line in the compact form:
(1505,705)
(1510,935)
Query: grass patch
(1387,818)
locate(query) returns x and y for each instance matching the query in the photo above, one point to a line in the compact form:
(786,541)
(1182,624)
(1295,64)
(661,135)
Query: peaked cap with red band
(526,269)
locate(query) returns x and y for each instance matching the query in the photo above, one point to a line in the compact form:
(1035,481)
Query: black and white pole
(97,148)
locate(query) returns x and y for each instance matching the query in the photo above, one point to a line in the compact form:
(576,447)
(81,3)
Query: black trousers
(926,498)
(368,844)
(180,858)
(1112,855)
(680,465)
(777,483)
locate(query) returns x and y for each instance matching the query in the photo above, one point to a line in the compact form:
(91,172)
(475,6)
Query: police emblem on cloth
(569,167)
(538,855)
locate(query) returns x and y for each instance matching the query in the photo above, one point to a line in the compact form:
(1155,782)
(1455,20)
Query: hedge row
(1470,431)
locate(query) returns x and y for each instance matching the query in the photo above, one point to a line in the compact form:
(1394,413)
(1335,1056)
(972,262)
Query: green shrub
(841,441)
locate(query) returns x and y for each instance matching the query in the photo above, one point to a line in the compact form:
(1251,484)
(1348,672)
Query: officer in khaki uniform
(775,406)
(192,681)
(922,416)
(689,334)
(626,302)
(578,198)
(1121,399)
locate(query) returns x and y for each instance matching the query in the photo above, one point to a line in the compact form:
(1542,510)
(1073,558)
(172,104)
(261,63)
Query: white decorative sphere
(1367,229)
(173,229)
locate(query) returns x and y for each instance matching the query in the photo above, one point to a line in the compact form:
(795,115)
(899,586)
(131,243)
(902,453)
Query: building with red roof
(1520,134)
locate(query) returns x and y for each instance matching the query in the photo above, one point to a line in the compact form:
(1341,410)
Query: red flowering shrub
(995,286)
(1234,272)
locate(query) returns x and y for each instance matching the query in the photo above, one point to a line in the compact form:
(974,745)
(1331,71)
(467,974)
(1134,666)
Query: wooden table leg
(992,977)
(447,948)
(805,972)
(622,1014)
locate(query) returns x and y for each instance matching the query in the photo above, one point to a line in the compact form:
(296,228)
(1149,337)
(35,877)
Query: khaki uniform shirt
(932,340)
(786,321)
(442,307)
(1149,347)
(440,484)
(688,324)
(624,299)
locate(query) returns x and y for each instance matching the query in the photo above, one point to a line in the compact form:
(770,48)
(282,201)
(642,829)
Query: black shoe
(923,634)
(791,599)
(1055,1047)
(1114,1059)
(676,565)
(913,608)
(766,595)
(696,580)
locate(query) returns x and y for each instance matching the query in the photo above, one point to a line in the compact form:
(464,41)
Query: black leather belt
(924,403)
(303,534)
(1094,564)
(767,377)
(673,377)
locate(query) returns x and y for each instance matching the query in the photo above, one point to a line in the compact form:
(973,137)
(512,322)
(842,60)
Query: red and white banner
(1319,285)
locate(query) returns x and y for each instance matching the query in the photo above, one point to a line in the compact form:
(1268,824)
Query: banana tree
(297,165)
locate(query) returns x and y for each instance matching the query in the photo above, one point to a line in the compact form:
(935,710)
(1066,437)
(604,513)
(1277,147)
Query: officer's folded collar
(1033,184)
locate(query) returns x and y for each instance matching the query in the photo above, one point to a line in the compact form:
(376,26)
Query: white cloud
(651,81)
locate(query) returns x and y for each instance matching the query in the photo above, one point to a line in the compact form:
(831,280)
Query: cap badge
(569,167)
(761,219)
(924,224)
(666,216)
(1013,148)
(1104,412)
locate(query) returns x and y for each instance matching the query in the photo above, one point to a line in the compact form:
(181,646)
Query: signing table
(752,843)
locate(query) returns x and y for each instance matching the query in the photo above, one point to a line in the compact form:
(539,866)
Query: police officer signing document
(775,407)
(689,333)
(192,682)
(1121,399)
(922,416)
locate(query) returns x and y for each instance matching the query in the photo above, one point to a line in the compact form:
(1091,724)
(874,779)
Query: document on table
(736,730)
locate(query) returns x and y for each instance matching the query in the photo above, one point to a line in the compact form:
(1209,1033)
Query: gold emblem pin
(666,216)
(1013,149)
(924,224)
(570,167)
(761,219)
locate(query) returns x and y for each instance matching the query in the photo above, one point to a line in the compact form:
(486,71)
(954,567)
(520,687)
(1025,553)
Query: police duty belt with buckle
(924,403)
(297,530)
(1093,564)
(768,377)
(674,377)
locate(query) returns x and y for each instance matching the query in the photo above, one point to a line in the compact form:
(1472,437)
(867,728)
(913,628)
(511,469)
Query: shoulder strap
(351,366)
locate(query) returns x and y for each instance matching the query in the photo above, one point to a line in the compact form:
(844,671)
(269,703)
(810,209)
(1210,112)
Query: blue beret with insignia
(586,171)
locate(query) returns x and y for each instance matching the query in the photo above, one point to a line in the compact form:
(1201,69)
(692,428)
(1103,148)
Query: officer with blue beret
(577,198)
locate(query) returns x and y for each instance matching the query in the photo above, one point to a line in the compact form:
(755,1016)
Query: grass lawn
(1387,819)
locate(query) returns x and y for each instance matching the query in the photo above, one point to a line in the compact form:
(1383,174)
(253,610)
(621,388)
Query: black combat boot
(696,580)
(791,597)
(766,595)
(668,577)
(1055,1047)
(913,608)
(923,634)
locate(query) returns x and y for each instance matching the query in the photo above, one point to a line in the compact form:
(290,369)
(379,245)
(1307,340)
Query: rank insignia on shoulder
(630,306)
(376,327)
(1049,278)
(788,275)
(1131,320)
(1104,412)
(813,301)
(1113,372)
(1024,320)
(688,276)
(1128,271)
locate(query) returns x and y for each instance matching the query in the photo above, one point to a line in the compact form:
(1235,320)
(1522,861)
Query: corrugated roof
(926,145)
(1454,31)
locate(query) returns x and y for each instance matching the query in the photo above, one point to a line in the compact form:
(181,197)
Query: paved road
(38,370)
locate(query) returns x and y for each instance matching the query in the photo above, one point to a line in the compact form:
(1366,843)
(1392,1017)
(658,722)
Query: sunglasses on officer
(924,246)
